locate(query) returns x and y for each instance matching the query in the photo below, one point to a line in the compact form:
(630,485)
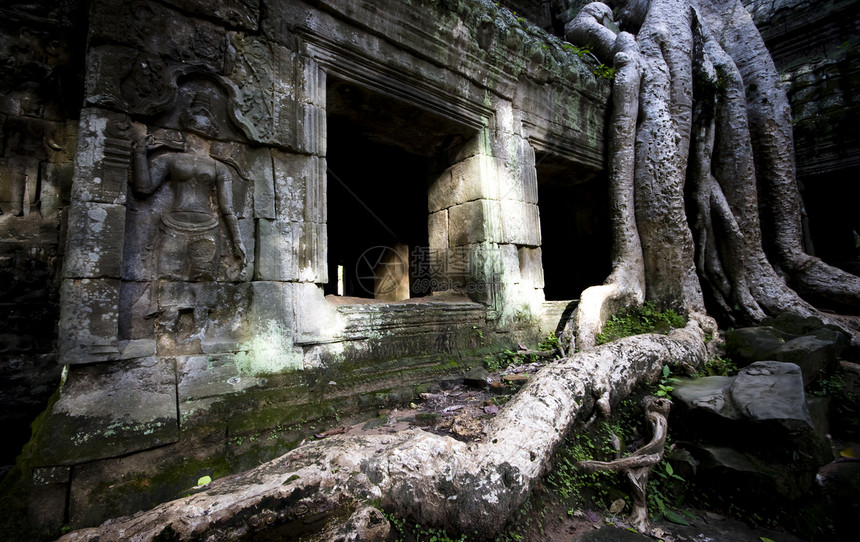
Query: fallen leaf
(675,517)
(204,480)
(848,452)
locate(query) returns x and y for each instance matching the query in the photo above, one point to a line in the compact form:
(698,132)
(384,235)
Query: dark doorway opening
(575,232)
(381,155)
(834,217)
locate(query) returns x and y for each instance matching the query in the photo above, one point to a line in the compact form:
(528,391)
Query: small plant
(719,366)
(646,319)
(550,343)
(406,531)
(602,71)
(664,387)
(666,492)
(509,357)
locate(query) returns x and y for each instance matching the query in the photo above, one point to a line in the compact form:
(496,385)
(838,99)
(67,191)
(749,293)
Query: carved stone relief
(189,196)
(28,142)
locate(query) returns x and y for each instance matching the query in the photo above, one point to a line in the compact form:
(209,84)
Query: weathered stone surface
(772,392)
(103,163)
(276,244)
(112,487)
(95,247)
(794,324)
(88,320)
(709,394)
(468,222)
(805,342)
(746,345)
(240,13)
(108,410)
(468,180)
(756,428)
(184,39)
(437,227)
(201,317)
(531,266)
(476,377)
(263,74)
(766,394)
(521,223)
(812,355)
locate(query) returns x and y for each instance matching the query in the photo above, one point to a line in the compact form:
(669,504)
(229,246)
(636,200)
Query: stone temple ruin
(224,222)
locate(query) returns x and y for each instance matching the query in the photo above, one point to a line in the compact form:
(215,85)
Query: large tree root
(469,487)
(638,465)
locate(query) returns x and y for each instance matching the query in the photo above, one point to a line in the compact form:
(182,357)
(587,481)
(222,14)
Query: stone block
(202,380)
(202,317)
(520,223)
(310,133)
(750,344)
(89,311)
(258,167)
(243,14)
(312,247)
(437,229)
(137,307)
(271,304)
(47,508)
(109,410)
(299,187)
(531,266)
(470,222)
(159,30)
(276,242)
(102,168)
(510,264)
(95,240)
(811,354)
(124,485)
(772,392)
(310,83)
(463,182)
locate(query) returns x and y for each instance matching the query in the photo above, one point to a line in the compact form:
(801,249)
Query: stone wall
(816,47)
(188,176)
(41,59)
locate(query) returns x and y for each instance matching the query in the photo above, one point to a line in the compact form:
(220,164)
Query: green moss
(645,319)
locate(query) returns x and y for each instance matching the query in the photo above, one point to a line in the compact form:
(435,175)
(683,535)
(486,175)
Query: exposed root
(432,478)
(638,465)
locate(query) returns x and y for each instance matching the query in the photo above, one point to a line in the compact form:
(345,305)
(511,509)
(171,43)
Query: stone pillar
(484,224)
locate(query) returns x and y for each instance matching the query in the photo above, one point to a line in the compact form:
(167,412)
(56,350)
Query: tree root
(638,465)
(434,479)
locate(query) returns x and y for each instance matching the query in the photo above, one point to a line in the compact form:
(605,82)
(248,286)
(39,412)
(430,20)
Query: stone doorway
(381,155)
(574,217)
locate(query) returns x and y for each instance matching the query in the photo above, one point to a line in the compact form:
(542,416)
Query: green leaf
(669,469)
(204,480)
(666,371)
(765,539)
(675,517)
